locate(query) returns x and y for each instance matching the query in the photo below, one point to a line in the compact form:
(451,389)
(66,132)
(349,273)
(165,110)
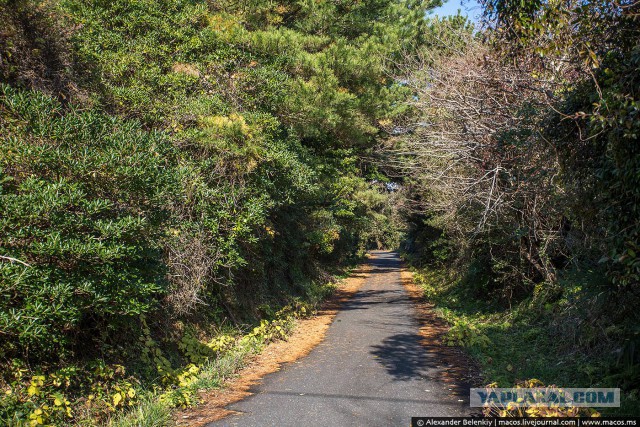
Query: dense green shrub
(84,200)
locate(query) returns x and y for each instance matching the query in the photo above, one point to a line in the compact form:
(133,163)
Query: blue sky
(470,8)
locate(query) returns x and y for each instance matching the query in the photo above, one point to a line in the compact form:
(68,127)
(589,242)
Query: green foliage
(170,168)
(596,130)
(612,158)
(50,399)
(465,334)
(527,176)
(148,413)
(535,338)
(34,51)
(83,199)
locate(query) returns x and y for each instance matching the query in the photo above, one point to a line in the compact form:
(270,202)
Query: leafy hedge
(181,165)
(84,199)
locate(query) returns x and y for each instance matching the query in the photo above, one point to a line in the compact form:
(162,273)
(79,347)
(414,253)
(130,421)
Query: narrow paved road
(370,370)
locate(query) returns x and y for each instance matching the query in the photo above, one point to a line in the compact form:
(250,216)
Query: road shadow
(455,368)
(385,263)
(407,356)
(403,356)
(364,300)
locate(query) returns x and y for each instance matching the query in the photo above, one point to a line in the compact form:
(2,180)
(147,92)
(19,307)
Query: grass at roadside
(118,397)
(157,407)
(525,341)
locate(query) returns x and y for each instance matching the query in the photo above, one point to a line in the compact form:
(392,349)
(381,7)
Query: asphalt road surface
(370,370)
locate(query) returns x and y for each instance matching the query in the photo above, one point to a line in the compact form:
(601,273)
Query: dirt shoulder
(457,370)
(307,334)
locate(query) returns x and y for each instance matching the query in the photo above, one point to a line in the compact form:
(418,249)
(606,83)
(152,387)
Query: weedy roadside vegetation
(522,175)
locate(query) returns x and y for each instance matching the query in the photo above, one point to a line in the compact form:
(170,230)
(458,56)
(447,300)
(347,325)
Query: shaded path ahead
(370,370)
